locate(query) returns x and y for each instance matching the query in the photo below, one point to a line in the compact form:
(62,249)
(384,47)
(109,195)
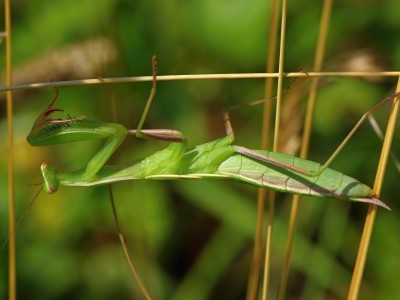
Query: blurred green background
(193,239)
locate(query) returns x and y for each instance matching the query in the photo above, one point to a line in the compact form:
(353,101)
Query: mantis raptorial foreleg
(113,133)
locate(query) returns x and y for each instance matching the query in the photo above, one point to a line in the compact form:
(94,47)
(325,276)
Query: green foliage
(193,239)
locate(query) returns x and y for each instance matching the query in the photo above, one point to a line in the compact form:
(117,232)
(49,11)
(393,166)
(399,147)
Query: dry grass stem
(271,195)
(252,286)
(195,77)
(12,271)
(318,61)
(370,218)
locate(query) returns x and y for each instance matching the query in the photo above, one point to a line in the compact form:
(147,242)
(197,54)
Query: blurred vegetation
(193,239)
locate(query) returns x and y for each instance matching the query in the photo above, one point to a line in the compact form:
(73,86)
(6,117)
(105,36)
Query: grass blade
(370,219)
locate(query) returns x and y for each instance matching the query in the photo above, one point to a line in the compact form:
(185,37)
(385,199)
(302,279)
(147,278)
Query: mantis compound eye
(50,181)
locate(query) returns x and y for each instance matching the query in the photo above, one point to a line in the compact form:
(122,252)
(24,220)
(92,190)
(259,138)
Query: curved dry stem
(125,248)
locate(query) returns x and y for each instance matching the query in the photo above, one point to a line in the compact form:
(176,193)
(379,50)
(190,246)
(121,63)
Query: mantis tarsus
(218,159)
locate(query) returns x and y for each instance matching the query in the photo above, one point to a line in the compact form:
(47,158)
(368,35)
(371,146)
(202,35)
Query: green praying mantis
(218,159)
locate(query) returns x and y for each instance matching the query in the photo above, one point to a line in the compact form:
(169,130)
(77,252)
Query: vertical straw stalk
(252,285)
(318,62)
(271,195)
(12,283)
(372,209)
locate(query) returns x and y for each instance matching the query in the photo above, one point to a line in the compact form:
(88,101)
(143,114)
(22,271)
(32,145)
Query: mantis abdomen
(329,183)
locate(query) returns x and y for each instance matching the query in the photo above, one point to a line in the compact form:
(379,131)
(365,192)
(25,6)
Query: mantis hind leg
(365,116)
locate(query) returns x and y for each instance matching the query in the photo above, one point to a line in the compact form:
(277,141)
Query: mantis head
(50,180)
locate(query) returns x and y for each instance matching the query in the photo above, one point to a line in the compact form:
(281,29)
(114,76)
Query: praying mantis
(218,159)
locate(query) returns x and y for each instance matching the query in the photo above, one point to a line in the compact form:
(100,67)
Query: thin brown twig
(196,77)
(125,248)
